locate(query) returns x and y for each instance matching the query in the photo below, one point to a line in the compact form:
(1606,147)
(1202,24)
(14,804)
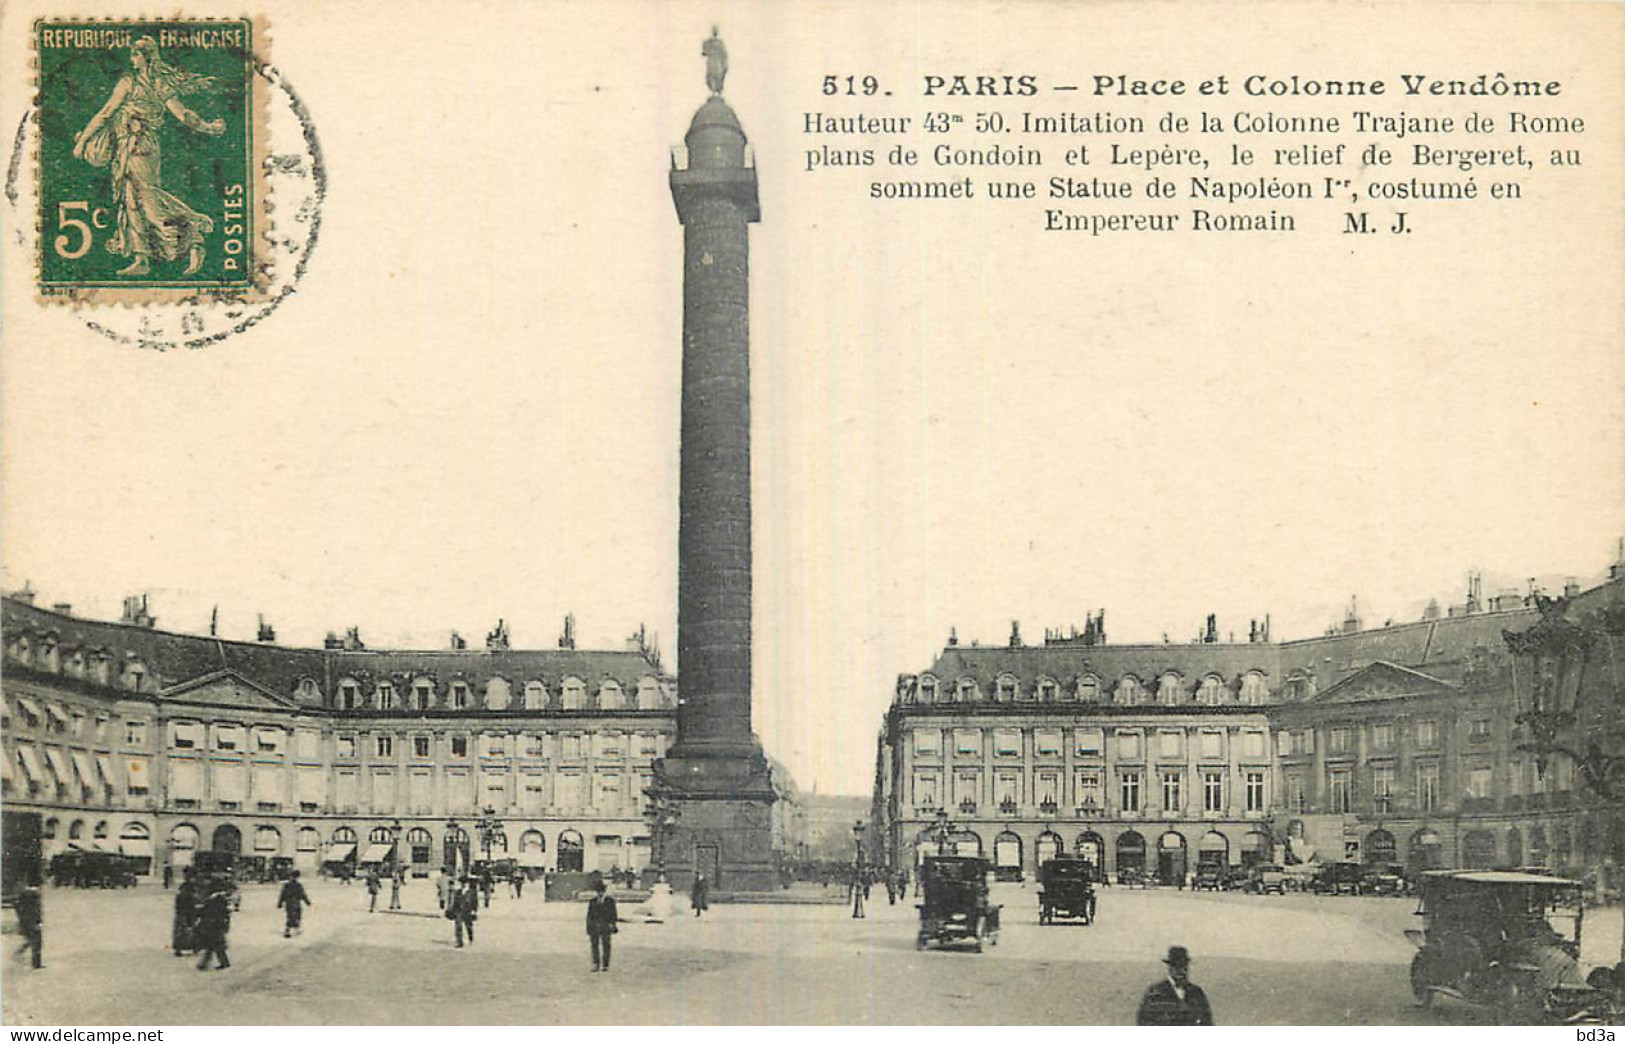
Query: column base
(723,826)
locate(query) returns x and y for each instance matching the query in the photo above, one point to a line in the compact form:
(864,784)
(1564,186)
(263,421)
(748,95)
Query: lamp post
(663,816)
(944,832)
(490,828)
(394,846)
(857,869)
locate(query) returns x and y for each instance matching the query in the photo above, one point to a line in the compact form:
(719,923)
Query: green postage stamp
(150,146)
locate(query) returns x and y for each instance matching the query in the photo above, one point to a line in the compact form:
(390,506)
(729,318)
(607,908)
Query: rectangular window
(186,783)
(569,790)
(1212,745)
(267,740)
(1128,748)
(570,746)
(1088,742)
(459,746)
(420,746)
(1427,734)
(967,791)
(1515,777)
(928,742)
(135,734)
(493,745)
(1427,787)
(1297,797)
(494,790)
(188,735)
(1173,797)
(534,797)
(925,790)
(228,737)
(420,786)
(1007,790)
(1478,782)
(1007,743)
(230,783)
(268,787)
(459,791)
(1168,744)
(649,745)
(1047,742)
(1255,792)
(1340,739)
(349,788)
(1049,791)
(1478,730)
(311,788)
(1382,737)
(383,792)
(1131,792)
(1212,792)
(345,747)
(609,744)
(1382,789)
(1090,798)
(968,741)
(136,775)
(309,743)
(1252,744)
(1341,796)
(385,747)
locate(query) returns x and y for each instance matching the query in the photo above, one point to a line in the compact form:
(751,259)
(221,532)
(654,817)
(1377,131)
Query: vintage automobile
(956,907)
(1267,878)
(1507,941)
(217,871)
(1209,877)
(1337,879)
(1383,879)
(1066,889)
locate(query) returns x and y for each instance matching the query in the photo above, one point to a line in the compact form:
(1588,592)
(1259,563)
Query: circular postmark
(291,184)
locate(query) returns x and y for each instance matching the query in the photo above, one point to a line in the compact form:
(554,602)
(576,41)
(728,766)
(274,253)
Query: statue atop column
(716,61)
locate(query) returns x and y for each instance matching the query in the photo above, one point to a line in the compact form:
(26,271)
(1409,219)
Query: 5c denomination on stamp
(151,145)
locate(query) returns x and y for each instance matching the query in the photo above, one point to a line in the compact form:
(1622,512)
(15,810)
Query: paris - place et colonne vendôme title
(714,782)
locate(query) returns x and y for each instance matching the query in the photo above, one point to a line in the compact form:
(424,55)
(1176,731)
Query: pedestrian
(1176,1000)
(169,876)
(601,925)
(373,887)
(396,880)
(464,911)
(30,907)
(486,885)
(518,884)
(859,889)
(213,924)
(443,886)
(891,890)
(700,897)
(292,901)
(186,900)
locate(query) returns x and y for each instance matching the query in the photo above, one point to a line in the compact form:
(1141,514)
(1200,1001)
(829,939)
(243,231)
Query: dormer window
(1170,690)
(609,696)
(648,694)
(928,690)
(385,695)
(1046,691)
(967,690)
(535,696)
(422,694)
(1089,689)
(575,694)
(459,695)
(307,689)
(1212,691)
(349,695)
(1006,690)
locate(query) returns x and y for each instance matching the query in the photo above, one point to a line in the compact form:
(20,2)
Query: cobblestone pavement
(1263,960)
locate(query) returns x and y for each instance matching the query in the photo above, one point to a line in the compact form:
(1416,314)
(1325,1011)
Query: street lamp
(663,816)
(491,831)
(857,869)
(944,832)
(394,846)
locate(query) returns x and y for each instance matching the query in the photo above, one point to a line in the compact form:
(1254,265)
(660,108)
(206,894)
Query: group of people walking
(202,922)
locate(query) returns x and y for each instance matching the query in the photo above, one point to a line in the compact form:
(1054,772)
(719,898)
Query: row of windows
(266,739)
(423,694)
(94,665)
(1477,783)
(54,719)
(1087,796)
(1130,744)
(1128,691)
(1382,737)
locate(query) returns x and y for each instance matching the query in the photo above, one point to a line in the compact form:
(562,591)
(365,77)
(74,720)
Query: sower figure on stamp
(293,901)
(151,221)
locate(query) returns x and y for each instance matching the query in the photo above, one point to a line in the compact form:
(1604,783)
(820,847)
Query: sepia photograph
(716,514)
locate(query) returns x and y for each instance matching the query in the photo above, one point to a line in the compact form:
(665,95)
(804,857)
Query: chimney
(567,640)
(497,639)
(24,594)
(352,640)
(1571,587)
(332,641)
(65,608)
(1351,620)
(1210,634)
(265,632)
(135,612)
(1015,634)
(953,636)
(458,642)
(1615,571)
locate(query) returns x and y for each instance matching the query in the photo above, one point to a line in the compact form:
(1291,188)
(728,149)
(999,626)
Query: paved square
(1262,959)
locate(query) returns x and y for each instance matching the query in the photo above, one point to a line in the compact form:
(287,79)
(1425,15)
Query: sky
(469,410)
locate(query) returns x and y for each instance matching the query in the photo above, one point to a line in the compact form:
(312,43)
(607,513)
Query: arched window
(1045,690)
(1170,689)
(1006,688)
(267,840)
(1380,847)
(533,841)
(99,832)
(1539,854)
(344,836)
(571,852)
(609,696)
(1171,858)
(497,694)
(1426,850)
(227,838)
(1007,855)
(1130,854)
(928,688)
(379,835)
(1213,849)
(76,830)
(1047,847)
(575,694)
(1514,847)
(308,691)
(1128,694)
(1254,690)
(1089,689)
(648,693)
(48,830)
(135,675)
(384,695)
(969,692)
(1300,685)
(1255,848)
(309,839)
(1212,691)
(535,696)
(183,838)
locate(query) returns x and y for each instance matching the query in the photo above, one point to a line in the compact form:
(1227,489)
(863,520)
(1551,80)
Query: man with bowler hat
(1176,1000)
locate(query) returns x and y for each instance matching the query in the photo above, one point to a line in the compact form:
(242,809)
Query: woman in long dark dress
(181,932)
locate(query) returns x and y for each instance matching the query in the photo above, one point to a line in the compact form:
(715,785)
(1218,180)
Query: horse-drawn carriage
(1066,889)
(956,907)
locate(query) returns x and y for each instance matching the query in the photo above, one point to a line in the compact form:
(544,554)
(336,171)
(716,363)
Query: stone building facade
(128,738)
(1394,744)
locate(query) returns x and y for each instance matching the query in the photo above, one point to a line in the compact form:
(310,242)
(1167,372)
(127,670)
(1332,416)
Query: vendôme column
(714,782)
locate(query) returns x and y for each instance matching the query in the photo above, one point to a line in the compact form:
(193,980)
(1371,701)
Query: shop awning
(57,714)
(81,761)
(59,765)
(30,707)
(105,764)
(338,853)
(536,859)
(136,846)
(31,766)
(377,853)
